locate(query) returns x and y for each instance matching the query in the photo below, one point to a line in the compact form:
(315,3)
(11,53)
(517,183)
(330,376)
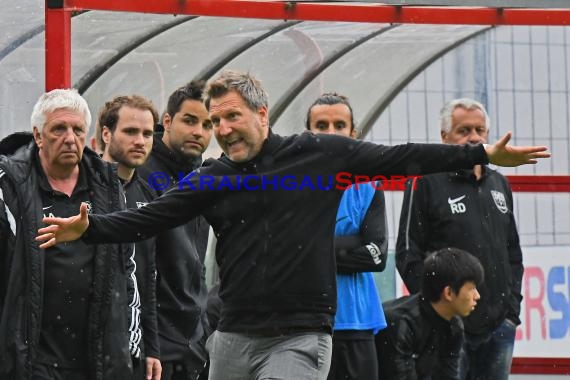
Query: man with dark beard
(181,290)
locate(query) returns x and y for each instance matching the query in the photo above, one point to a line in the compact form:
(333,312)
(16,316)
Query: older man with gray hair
(471,210)
(63,309)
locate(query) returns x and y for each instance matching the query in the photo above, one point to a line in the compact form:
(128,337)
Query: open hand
(502,154)
(63,229)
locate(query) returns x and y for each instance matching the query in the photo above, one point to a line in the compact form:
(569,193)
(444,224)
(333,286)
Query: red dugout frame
(58,57)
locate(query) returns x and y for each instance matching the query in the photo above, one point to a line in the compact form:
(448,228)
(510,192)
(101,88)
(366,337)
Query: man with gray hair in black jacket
(471,209)
(63,310)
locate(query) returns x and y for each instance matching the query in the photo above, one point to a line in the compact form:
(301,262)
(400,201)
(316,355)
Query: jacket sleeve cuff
(484,158)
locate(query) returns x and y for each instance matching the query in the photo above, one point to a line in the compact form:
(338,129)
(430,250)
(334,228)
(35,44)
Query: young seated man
(425,332)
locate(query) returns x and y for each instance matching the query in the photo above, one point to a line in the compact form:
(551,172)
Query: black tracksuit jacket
(138,193)
(275,246)
(181,289)
(455,210)
(22,268)
(418,343)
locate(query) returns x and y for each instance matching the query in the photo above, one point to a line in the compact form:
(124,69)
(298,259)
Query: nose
(198,132)
(224,129)
(329,130)
(474,137)
(69,136)
(139,139)
(476,295)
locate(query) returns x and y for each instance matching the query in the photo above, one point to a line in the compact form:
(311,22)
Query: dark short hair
(330,99)
(451,267)
(190,91)
(109,113)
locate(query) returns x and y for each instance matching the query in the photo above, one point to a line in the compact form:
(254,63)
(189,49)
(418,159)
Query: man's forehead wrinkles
(224,104)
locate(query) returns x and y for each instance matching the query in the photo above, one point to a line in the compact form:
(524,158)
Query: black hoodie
(181,290)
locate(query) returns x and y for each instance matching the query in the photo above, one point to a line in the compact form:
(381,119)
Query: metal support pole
(57,45)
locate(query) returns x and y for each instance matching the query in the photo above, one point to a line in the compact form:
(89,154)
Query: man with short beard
(126,126)
(181,290)
(361,247)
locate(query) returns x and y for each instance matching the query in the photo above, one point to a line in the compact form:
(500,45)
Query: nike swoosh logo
(452,201)
(48,207)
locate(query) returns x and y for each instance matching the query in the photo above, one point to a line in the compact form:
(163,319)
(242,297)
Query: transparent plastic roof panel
(374,71)
(176,56)
(97,37)
(17,21)
(285,60)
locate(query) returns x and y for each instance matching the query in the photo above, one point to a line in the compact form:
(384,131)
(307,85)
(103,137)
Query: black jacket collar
(174,163)
(468,173)
(429,312)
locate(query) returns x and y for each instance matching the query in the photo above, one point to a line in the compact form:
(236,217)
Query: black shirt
(68,278)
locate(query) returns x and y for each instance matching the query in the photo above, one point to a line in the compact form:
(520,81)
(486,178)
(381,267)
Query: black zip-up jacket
(139,193)
(275,246)
(418,343)
(181,288)
(21,267)
(455,210)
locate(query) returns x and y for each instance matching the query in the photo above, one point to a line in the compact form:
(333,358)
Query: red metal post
(541,366)
(57,47)
(340,11)
(540,183)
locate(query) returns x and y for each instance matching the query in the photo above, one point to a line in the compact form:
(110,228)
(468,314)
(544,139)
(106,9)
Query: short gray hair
(59,99)
(466,103)
(245,84)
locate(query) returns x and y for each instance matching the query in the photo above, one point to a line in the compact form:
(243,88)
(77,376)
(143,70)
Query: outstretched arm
(61,230)
(503,154)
